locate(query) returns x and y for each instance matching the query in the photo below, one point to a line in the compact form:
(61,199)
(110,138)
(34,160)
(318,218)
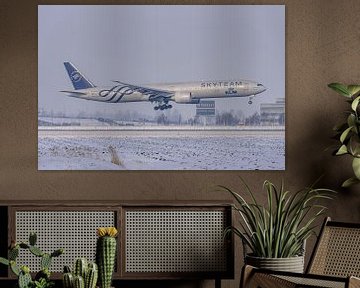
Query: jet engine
(185,98)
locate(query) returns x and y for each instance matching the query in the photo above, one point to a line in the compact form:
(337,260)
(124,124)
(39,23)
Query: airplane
(160,94)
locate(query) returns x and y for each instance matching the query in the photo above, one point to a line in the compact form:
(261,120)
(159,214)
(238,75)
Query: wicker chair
(334,263)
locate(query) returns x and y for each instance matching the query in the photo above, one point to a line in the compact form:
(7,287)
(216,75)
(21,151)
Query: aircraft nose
(261,88)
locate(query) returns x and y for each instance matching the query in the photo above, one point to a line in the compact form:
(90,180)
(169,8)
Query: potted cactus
(85,275)
(106,254)
(42,278)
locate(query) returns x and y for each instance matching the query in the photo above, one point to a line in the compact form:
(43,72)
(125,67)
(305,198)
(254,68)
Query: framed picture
(161,87)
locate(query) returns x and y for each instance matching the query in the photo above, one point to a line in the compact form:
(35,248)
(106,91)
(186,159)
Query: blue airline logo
(75,76)
(119,91)
(116,91)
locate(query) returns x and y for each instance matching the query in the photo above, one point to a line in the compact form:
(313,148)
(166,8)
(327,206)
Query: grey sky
(159,44)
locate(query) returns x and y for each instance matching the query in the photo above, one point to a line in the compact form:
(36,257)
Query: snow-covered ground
(161,150)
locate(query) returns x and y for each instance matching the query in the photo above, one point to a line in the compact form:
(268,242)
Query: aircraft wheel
(250,102)
(156,108)
(169,106)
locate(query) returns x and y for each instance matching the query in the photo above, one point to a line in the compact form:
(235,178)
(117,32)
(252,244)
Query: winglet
(78,80)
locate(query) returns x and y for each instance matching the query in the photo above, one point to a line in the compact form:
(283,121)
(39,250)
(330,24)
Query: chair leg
(246,274)
(217,283)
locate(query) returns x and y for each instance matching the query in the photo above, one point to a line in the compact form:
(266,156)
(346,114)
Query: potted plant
(87,274)
(84,274)
(42,278)
(106,254)
(276,233)
(348,132)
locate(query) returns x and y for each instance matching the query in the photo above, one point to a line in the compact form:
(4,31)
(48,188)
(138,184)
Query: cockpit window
(259,84)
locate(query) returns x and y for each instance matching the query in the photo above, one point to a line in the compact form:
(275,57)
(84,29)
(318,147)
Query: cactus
(36,251)
(24,245)
(90,272)
(68,280)
(57,252)
(32,238)
(24,278)
(80,268)
(44,273)
(105,254)
(67,269)
(79,282)
(91,276)
(45,261)
(13,253)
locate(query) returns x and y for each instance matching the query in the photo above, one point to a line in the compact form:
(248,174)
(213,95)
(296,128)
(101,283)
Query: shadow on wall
(333,170)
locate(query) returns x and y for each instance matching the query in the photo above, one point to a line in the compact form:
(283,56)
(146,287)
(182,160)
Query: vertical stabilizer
(78,80)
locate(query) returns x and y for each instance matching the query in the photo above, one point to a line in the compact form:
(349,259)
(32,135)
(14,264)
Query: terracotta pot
(291,264)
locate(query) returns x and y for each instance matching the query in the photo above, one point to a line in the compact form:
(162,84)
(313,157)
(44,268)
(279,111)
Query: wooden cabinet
(167,240)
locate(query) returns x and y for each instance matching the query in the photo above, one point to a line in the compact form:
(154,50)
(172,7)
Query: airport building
(205,113)
(273,114)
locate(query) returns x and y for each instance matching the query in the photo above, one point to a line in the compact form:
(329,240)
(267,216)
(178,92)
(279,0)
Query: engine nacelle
(185,98)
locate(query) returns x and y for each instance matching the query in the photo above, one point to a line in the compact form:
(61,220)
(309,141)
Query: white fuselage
(182,92)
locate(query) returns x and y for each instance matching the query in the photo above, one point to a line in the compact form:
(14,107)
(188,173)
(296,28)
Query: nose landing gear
(251,99)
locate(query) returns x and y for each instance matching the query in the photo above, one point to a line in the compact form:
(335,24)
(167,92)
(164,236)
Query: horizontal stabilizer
(74,92)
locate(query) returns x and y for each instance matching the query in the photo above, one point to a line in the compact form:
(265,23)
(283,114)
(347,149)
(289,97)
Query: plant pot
(291,264)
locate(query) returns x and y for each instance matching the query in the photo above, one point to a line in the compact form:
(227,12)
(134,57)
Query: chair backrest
(337,251)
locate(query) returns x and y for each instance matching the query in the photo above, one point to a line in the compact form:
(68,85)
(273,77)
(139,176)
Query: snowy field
(161,150)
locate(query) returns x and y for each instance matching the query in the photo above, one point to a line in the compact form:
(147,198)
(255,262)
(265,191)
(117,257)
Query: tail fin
(78,80)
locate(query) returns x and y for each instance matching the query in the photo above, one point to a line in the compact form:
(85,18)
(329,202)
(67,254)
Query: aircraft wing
(154,94)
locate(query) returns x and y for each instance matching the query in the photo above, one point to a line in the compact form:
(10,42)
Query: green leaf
(4,261)
(355,103)
(356,167)
(351,120)
(354,145)
(14,268)
(353,89)
(340,88)
(349,182)
(342,150)
(345,134)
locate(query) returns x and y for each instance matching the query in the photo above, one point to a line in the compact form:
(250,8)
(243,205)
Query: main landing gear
(162,107)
